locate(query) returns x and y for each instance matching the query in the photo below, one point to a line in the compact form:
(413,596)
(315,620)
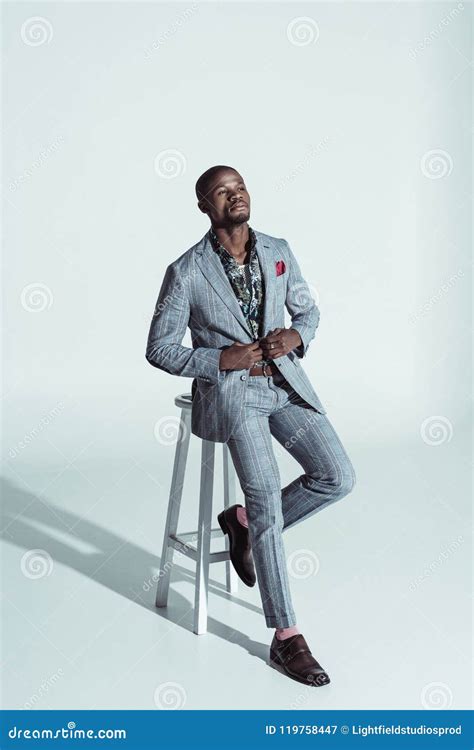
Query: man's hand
(240,356)
(280,341)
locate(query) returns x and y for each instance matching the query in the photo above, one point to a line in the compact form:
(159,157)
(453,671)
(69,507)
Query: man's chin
(240,218)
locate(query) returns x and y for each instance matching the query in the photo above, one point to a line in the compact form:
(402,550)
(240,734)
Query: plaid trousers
(272,407)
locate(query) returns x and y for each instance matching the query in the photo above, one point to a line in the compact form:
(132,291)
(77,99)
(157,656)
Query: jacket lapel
(212,268)
(267,265)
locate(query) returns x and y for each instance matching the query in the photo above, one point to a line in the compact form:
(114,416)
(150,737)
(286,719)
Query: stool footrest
(189,550)
(214,532)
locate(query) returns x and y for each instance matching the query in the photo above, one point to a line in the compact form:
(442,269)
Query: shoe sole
(310,683)
(225,530)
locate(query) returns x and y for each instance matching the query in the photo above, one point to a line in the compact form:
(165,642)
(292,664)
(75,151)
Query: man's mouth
(238,205)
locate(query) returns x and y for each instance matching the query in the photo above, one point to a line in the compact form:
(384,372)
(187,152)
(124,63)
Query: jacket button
(243,377)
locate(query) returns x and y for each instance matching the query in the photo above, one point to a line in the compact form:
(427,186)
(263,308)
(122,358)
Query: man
(231,289)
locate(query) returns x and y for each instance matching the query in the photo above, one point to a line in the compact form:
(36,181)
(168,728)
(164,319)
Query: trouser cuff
(280,622)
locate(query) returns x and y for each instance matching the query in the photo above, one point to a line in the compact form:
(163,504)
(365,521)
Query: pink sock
(242,516)
(282,633)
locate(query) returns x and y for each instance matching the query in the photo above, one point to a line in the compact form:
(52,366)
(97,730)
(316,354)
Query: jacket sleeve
(168,326)
(300,304)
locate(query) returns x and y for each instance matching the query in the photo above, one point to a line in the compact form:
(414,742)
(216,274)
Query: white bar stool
(201,552)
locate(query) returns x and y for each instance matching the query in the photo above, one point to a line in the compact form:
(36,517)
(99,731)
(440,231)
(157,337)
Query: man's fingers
(274,353)
(251,347)
(272,344)
(277,346)
(272,337)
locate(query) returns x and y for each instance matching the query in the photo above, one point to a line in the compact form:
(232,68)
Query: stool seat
(182,542)
(184,400)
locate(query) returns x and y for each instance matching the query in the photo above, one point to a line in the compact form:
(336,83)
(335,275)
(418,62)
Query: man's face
(227,202)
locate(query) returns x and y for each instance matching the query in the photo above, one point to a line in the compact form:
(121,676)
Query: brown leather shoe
(239,546)
(294,658)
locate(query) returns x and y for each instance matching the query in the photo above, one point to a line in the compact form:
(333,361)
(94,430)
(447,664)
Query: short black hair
(203,182)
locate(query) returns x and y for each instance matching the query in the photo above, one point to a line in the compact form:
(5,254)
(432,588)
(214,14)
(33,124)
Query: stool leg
(231,579)
(204,536)
(174,504)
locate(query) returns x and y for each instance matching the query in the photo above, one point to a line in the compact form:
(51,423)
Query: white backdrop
(351,124)
(334,139)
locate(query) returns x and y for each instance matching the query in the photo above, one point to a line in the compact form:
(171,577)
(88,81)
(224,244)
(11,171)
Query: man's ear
(202,206)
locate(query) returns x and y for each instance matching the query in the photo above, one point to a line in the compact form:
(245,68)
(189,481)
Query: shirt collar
(219,248)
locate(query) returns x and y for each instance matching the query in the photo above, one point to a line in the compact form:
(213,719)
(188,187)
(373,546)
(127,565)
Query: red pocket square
(280,267)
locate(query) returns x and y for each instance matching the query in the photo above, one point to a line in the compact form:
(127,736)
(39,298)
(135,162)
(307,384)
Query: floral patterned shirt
(250,296)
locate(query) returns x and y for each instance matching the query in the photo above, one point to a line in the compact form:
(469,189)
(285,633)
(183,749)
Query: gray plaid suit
(196,292)
(246,411)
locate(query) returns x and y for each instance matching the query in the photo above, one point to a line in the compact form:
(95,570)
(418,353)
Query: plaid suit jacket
(196,293)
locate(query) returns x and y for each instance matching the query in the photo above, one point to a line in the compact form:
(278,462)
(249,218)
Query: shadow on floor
(30,522)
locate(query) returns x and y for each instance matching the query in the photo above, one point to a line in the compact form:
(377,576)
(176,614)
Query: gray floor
(380,583)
